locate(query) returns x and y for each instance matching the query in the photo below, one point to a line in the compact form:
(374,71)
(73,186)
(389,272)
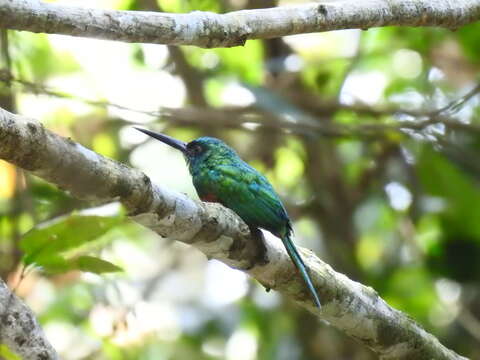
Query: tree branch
(236,117)
(206,29)
(353,308)
(19,329)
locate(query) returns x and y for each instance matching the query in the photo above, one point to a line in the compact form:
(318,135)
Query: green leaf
(53,264)
(96,265)
(43,244)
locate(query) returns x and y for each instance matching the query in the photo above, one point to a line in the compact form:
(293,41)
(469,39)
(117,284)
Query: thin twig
(236,117)
(455,105)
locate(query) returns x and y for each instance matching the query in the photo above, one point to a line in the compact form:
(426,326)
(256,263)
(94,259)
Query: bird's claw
(262,257)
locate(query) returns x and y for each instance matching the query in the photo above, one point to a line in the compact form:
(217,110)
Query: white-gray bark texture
(19,329)
(355,309)
(209,30)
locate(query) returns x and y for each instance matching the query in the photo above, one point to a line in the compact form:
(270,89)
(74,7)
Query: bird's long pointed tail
(300,265)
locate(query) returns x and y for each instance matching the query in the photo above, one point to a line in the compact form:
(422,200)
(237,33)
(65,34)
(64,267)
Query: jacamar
(220,175)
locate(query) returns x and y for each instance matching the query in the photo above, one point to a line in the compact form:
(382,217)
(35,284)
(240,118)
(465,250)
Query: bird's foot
(262,256)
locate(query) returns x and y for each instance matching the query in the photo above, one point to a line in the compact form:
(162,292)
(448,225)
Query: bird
(220,175)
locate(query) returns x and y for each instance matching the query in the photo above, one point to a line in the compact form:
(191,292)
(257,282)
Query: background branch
(351,307)
(237,117)
(206,29)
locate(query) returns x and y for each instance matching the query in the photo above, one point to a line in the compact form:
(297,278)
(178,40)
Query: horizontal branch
(238,117)
(19,329)
(206,29)
(320,109)
(353,308)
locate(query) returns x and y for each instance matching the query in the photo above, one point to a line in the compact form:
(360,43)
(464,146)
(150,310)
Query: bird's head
(196,150)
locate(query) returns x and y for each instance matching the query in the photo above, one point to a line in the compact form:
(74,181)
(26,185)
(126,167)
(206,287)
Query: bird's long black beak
(177,144)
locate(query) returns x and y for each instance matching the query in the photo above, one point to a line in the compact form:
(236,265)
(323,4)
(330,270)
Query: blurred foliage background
(371,138)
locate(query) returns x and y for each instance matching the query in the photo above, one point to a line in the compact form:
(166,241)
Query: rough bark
(206,29)
(19,329)
(352,307)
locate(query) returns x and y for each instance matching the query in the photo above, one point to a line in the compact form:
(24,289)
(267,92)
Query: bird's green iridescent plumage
(220,175)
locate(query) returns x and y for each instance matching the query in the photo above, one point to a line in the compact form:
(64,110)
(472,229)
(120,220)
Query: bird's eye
(197,149)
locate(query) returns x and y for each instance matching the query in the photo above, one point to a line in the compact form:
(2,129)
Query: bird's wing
(250,195)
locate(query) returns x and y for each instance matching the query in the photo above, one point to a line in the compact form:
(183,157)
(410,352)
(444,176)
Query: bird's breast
(205,181)
(209,197)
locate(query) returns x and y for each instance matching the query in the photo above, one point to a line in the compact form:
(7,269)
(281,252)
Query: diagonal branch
(206,29)
(353,308)
(19,329)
